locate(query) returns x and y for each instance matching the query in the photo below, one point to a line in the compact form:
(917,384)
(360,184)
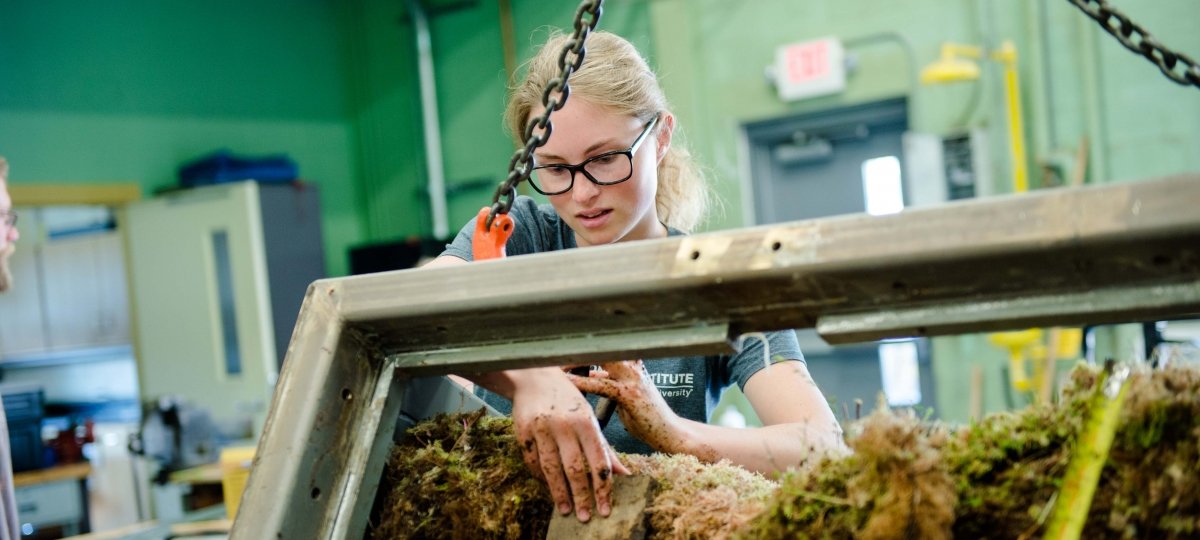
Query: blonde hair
(614,76)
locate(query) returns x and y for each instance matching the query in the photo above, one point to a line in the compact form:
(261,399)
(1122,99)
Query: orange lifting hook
(489,243)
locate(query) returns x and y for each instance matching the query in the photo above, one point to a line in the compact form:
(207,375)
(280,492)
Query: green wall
(710,55)
(1076,80)
(471,92)
(127,90)
(713,55)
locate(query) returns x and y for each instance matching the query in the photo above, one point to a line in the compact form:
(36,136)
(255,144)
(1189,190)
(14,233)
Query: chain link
(1176,66)
(554,97)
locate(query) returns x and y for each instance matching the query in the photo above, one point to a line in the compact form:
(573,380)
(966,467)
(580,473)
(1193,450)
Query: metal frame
(1098,254)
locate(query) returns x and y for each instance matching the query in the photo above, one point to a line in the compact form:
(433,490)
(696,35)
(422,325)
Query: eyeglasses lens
(605,169)
(610,168)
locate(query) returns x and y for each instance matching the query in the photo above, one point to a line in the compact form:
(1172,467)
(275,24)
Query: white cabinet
(86,300)
(69,289)
(24,326)
(219,273)
(52,503)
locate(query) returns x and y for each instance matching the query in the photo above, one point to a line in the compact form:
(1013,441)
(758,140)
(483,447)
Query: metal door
(817,165)
(811,166)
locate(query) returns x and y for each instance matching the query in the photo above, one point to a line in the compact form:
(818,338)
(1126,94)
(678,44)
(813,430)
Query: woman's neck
(657,229)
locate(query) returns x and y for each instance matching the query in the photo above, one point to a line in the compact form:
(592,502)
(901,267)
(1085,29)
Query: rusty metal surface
(790,275)
(325,443)
(588,348)
(1066,309)
(1098,254)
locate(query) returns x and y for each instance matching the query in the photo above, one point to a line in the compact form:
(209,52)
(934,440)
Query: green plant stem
(1083,472)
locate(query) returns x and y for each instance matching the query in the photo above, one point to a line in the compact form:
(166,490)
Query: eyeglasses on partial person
(9,218)
(603,169)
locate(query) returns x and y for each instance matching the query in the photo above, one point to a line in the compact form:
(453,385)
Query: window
(901,375)
(881,185)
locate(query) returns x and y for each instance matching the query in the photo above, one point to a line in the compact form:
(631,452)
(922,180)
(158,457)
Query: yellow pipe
(1016,343)
(950,68)
(1007,55)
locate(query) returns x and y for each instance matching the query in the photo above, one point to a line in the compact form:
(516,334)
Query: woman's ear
(666,128)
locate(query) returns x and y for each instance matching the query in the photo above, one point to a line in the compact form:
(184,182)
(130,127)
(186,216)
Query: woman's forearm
(506,383)
(767,450)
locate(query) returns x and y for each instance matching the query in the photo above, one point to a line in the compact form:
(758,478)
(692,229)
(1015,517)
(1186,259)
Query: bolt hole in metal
(1161,260)
(776,246)
(899,285)
(618,312)
(316,493)
(441,329)
(695,255)
(347,395)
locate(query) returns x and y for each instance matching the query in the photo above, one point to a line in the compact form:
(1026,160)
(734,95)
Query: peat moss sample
(463,477)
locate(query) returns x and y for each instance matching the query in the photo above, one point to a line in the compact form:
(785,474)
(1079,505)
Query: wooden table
(70,471)
(153,530)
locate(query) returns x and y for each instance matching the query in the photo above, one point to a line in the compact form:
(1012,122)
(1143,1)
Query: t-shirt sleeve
(461,245)
(783,347)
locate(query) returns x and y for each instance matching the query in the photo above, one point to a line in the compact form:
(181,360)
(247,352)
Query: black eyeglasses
(10,218)
(603,170)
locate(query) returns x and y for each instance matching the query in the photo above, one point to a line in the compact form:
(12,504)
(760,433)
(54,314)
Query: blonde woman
(612,174)
(10,522)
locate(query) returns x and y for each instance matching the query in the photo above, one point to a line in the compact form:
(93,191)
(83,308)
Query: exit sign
(810,69)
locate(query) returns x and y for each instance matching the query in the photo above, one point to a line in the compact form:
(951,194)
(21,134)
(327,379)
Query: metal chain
(1176,66)
(553,98)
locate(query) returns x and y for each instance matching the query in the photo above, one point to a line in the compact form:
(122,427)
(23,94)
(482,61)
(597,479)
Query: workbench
(54,496)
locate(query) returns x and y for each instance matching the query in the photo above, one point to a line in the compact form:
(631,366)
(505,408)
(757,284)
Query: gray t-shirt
(691,385)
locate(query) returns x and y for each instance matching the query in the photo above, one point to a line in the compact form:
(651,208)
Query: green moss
(457,474)
(463,477)
(895,459)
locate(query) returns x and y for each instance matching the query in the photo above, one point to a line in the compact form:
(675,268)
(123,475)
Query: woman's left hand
(641,408)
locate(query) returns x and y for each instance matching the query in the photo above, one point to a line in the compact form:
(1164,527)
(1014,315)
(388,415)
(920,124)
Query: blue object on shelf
(223,166)
(23,404)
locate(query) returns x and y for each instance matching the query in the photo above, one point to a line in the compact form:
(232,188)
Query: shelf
(70,356)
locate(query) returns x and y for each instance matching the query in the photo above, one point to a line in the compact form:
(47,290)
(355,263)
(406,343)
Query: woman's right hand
(562,443)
